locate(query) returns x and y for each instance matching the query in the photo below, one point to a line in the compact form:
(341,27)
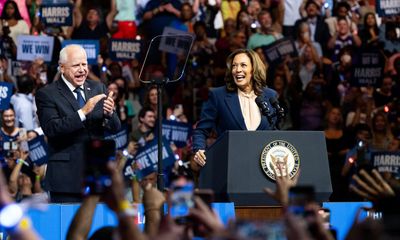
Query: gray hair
(64,52)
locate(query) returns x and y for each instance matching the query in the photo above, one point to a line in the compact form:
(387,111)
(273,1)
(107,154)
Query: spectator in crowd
(125,18)
(359,154)
(125,100)
(21,228)
(9,133)
(151,99)
(230,9)
(282,84)
(206,12)
(245,24)
(116,201)
(337,144)
(253,9)
(309,58)
(21,181)
(369,34)
(222,43)
(342,11)
(145,130)
(4,76)
(362,110)
(384,94)
(92,25)
(119,106)
(303,39)
(268,33)
(11,18)
(382,136)
(313,105)
(344,36)
(318,29)
(159,14)
(291,15)
(24,103)
(388,34)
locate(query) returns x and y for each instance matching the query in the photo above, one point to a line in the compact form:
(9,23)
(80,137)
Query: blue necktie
(79,98)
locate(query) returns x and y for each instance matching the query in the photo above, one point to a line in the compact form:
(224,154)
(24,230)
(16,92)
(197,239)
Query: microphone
(264,108)
(280,112)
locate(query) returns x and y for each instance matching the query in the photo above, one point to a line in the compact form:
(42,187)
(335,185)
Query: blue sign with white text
(38,150)
(121,49)
(92,48)
(120,138)
(5,95)
(177,132)
(58,15)
(146,159)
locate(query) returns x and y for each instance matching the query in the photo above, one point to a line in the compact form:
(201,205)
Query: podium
(233,169)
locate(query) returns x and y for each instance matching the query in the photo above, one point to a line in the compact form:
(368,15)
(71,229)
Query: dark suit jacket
(321,34)
(57,109)
(222,112)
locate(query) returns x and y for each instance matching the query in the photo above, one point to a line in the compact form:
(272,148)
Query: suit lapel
(89,93)
(232,101)
(66,92)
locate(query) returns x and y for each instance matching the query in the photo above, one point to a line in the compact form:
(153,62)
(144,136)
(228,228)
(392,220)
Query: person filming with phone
(71,111)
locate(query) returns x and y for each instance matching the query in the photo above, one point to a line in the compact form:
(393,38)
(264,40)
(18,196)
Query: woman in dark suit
(233,107)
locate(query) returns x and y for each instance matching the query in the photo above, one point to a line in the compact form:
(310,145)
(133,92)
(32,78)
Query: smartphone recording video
(96,175)
(299,197)
(181,200)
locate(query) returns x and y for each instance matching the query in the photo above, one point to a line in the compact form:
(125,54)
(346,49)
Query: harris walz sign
(368,69)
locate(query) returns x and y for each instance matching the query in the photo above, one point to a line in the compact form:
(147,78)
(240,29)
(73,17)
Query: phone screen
(299,197)
(181,200)
(96,175)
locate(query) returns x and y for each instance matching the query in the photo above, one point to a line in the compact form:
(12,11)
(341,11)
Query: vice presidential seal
(280,153)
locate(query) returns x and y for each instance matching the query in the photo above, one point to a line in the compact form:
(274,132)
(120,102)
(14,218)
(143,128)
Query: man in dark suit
(71,111)
(318,27)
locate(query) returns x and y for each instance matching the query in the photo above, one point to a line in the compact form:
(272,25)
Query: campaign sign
(120,138)
(146,159)
(179,42)
(92,48)
(176,132)
(121,50)
(387,162)
(38,150)
(278,50)
(32,47)
(58,15)
(387,7)
(368,70)
(5,95)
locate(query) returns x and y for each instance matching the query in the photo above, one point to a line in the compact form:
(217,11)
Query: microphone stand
(279,114)
(160,83)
